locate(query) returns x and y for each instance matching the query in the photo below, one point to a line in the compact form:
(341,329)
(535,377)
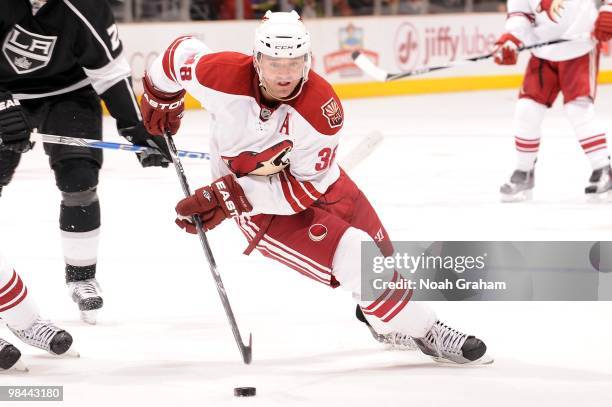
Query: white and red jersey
(283,156)
(532,27)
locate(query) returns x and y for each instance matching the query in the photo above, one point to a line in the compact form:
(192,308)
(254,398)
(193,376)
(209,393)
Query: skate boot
(392,340)
(46,336)
(10,357)
(86,294)
(599,182)
(447,345)
(520,187)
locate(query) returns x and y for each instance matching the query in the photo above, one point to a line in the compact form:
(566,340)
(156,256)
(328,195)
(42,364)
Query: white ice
(163,339)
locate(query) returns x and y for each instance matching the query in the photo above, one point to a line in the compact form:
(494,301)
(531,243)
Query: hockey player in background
(19,311)
(569,68)
(275,129)
(59,57)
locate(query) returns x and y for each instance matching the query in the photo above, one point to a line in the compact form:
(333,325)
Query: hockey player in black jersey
(58,59)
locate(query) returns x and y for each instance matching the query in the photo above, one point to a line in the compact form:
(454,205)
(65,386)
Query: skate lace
(39,334)
(446,339)
(86,288)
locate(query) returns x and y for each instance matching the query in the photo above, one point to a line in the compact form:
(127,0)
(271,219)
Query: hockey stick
(85,142)
(245,350)
(361,151)
(350,161)
(381,75)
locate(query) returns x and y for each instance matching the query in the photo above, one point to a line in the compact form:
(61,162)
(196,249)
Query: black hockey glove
(137,135)
(14,126)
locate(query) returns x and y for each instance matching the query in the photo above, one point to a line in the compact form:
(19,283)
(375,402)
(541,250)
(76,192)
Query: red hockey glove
(551,7)
(603,24)
(506,49)
(161,111)
(221,200)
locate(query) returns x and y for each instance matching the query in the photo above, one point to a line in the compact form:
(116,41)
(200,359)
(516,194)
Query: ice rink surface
(163,340)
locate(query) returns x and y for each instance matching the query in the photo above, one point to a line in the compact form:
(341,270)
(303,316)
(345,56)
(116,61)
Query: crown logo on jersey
(22,62)
(333,113)
(26,51)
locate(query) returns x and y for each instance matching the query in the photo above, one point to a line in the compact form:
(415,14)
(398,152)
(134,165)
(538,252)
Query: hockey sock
(17,308)
(590,134)
(390,311)
(528,118)
(80,229)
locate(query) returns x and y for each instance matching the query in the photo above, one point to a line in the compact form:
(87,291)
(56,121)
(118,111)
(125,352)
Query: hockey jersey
(532,27)
(64,46)
(284,155)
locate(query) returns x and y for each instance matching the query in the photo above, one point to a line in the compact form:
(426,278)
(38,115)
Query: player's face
(281,75)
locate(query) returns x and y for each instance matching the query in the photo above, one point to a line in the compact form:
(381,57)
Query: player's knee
(76,175)
(346,265)
(580,111)
(528,118)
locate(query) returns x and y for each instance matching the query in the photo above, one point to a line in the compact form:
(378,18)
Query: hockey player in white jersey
(275,129)
(19,311)
(569,68)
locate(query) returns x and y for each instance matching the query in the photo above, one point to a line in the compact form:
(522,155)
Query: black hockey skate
(520,187)
(600,182)
(86,294)
(46,336)
(447,345)
(9,356)
(392,340)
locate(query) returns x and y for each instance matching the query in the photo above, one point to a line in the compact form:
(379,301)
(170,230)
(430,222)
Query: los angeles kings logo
(27,51)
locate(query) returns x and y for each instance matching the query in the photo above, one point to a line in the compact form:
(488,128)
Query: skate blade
(483,360)
(70,353)
(518,197)
(601,198)
(90,317)
(402,348)
(19,366)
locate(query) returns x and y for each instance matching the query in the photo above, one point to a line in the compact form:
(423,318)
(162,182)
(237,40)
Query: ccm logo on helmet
(229,204)
(284,47)
(156,105)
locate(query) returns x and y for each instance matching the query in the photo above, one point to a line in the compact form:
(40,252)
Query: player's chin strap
(295,93)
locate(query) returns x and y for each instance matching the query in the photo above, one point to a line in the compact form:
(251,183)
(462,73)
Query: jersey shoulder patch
(227,72)
(320,105)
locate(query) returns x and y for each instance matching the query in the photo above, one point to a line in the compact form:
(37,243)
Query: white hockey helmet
(282,35)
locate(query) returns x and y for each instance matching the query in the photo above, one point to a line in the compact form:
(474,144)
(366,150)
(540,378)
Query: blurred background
(188,10)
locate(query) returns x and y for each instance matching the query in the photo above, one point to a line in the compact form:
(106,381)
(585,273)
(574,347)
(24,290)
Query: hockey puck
(244,391)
